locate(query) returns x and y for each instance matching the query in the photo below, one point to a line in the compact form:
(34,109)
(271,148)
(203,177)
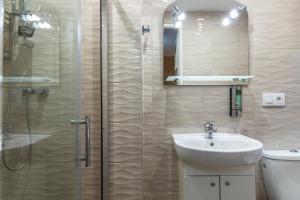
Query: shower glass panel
(40,87)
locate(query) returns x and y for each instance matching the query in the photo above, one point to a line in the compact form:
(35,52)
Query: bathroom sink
(221,151)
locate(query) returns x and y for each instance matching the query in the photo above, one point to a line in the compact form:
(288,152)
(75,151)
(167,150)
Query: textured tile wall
(148,169)
(125,101)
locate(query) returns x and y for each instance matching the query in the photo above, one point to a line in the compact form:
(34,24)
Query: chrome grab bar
(87,122)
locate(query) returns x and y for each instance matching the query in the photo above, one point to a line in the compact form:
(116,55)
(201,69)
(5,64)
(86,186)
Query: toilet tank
(281,173)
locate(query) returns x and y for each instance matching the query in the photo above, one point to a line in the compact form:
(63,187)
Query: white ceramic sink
(223,150)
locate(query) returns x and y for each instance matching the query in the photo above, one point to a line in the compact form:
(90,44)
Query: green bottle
(238,98)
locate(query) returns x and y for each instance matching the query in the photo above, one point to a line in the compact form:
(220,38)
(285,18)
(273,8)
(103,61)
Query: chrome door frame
(104,99)
(78,110)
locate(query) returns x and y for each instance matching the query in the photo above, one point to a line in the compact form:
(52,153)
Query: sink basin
(223,150)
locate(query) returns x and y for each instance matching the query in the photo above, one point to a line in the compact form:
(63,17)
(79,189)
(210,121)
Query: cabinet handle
(227,183)
(212,184)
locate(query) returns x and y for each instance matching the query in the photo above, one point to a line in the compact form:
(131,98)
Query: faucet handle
(207,121)
(215,129)
(209,125)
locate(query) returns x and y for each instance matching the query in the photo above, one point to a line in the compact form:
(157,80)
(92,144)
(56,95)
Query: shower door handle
(87,158)
(87,123)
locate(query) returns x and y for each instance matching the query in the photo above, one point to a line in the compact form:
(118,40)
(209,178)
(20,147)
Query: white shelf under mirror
(209,80)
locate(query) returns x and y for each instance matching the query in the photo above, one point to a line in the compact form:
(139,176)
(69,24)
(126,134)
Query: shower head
(26,30)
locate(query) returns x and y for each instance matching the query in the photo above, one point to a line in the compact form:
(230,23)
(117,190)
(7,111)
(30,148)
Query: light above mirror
(178,24)
(177,16)
(181,16)
(233,15)
(226,21)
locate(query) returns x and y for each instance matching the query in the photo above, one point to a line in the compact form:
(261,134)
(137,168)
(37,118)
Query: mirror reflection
(206,42)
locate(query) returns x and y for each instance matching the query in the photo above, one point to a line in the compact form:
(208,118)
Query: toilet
(281,174)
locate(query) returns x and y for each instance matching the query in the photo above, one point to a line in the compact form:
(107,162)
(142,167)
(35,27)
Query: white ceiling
(208,5)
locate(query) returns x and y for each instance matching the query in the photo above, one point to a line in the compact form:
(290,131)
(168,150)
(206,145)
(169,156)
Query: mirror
(206,42)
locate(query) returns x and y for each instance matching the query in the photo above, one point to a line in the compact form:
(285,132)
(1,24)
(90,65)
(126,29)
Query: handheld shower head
(26,30)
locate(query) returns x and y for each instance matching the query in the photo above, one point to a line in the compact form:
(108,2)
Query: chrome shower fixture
(177,13)
(146,29)
(26,15)
(234,13)
(26,30)
(21,13)
(41,92)
(242,8)
(177,16)
(26,27)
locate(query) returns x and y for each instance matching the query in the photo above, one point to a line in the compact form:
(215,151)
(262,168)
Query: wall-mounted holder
(236,106)
(145,29)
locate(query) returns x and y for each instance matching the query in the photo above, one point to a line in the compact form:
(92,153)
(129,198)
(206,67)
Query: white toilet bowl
(281,172)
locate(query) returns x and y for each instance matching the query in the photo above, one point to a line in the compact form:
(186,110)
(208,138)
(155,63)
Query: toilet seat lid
(282,154)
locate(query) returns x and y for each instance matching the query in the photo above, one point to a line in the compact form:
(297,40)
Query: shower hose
(6,135)
(27,93)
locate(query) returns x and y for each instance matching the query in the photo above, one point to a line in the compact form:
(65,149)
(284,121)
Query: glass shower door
(40,86)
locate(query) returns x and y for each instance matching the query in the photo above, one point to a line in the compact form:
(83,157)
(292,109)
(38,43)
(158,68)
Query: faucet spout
(210,129)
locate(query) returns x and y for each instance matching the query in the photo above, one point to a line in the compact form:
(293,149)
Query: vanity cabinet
(201,187)
(219,187)
(237,187)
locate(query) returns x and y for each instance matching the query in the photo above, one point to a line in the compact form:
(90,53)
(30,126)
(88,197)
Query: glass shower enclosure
(40,95)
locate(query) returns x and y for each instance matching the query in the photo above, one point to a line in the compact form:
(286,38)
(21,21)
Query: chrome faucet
(209,129)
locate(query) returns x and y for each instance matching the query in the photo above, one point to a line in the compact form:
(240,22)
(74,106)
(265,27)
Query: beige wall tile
(276,25)
(125,102)
(124,23)
(125,182)
(125,143)
(90,22)
(160,174)
(125,64)
(276,66)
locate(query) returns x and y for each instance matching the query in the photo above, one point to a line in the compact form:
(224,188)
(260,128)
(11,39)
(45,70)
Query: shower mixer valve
(42,92)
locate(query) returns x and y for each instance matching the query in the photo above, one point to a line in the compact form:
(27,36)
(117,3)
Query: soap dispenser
(236,101)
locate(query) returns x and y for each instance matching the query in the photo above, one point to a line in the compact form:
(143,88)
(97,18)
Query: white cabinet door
(201,188)
(237,188)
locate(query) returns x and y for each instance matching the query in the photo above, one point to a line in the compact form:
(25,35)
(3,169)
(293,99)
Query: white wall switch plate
(274,99)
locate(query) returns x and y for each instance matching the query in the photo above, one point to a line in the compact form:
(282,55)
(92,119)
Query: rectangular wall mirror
(206,42)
